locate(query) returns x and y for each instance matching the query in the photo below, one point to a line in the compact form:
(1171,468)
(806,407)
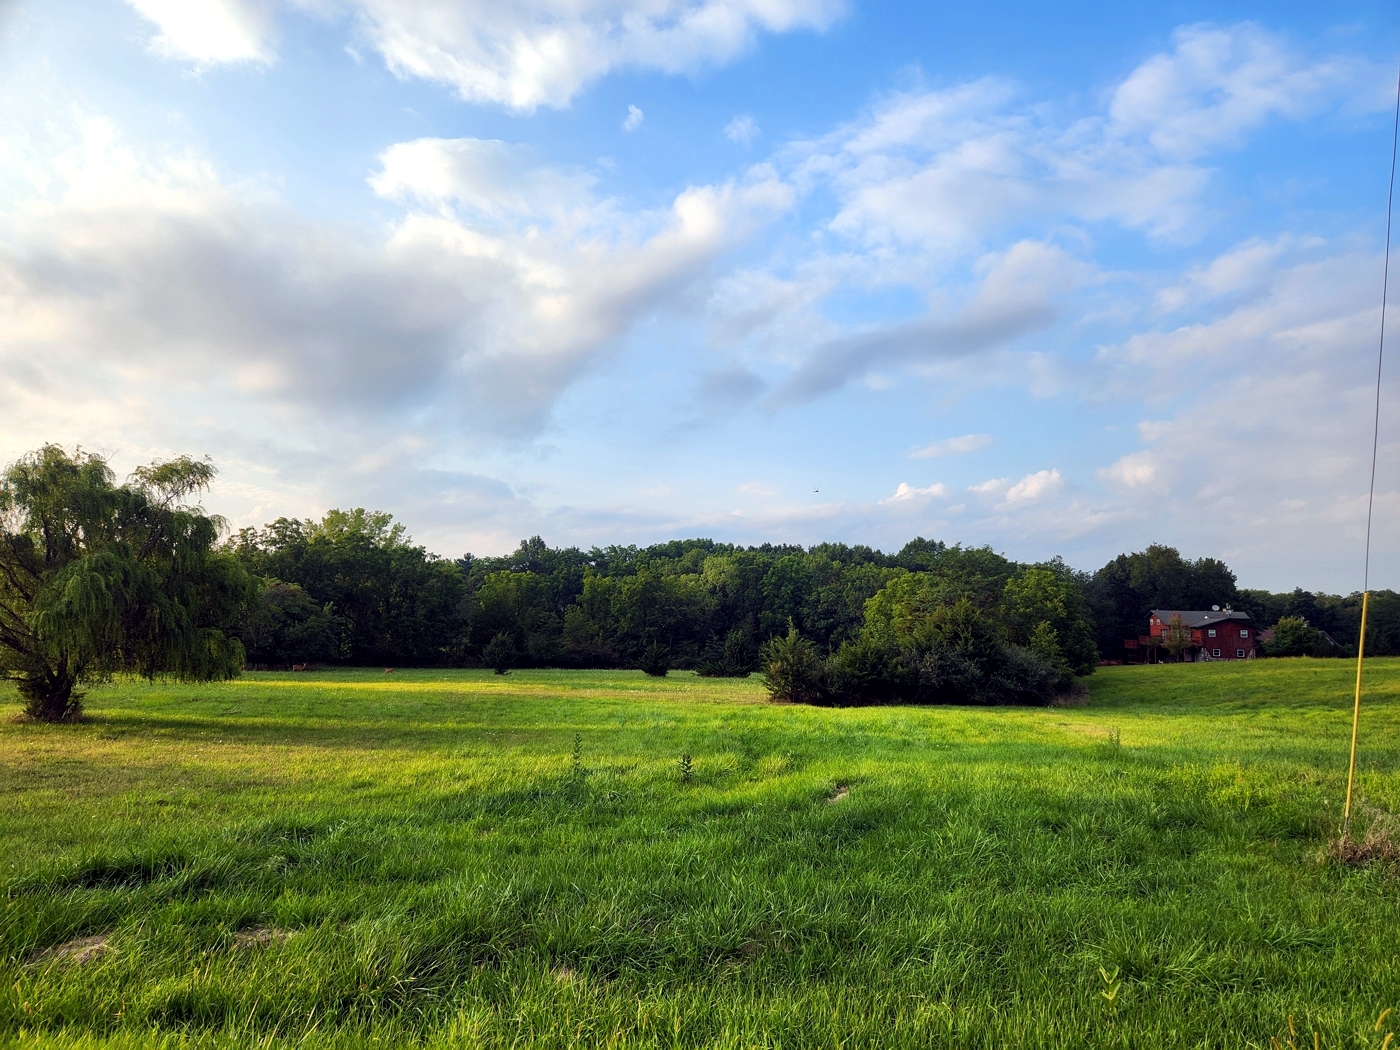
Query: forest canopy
(353,588)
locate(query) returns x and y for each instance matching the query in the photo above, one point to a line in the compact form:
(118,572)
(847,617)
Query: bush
(794,670)
(1294,636)
(868,672)
(500,653)
(656,660)
(950,675)
(1028,676)
(732,658)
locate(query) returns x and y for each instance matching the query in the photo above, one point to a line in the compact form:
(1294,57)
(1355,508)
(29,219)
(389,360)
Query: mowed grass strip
(359,858)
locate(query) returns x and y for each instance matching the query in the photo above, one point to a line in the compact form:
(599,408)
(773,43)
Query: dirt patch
(79,951)
(842,790)
(1381,843)
(260,937)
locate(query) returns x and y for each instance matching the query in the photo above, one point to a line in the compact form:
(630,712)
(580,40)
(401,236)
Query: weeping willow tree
(98,579)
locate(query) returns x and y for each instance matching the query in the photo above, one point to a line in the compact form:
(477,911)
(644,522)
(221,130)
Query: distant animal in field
(298,667)
(388,670)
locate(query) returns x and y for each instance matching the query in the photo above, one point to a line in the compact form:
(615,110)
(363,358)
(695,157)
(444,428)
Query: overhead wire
(1371,493)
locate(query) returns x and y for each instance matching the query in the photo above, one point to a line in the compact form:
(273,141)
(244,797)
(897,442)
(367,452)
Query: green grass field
(358,859)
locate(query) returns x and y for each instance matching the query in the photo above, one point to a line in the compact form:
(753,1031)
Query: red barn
(1216,634)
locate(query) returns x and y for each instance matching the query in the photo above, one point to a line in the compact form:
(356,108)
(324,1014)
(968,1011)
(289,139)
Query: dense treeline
(352,588)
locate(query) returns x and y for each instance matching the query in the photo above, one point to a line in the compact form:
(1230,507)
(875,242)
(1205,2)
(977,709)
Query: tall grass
(461,859)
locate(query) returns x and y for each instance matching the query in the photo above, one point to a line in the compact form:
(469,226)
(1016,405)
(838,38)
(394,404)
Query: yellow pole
(1356,713)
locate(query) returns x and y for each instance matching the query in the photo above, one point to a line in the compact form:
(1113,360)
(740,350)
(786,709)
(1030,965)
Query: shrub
(950,675)
(1294,636)
(656,660)
(1028,676)
(794,670)
(500,653)
(732,658)
(868,671)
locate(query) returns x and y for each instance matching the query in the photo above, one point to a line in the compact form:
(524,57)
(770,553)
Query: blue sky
(1065,281)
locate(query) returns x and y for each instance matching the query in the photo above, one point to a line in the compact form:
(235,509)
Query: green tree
(655,661)
(98,578)
(1043,608)
(1123,593)
(1176,636)
(1294,636)
(793,669)
(286,626)
(397,603)
(500,653)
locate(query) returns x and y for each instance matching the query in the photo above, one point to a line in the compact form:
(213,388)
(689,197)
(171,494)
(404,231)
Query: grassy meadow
(451,858)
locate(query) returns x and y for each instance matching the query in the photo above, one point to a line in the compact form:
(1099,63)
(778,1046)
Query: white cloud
(486,176)
(757,488)
(1268,444)
(522,55)
(986,488)
(633,120)
(945,170)
(1015,297)
(907,492)
(1035,486)
(533,53)
(1242,270)
(952,446)
(742,129)
(1134,470)
(211,32)
(157,282)
(1216,83)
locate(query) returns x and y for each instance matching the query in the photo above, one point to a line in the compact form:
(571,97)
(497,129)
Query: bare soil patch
(842,790)
(260,937)
(78,951)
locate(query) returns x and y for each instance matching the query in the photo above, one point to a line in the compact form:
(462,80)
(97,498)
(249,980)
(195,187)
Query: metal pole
(1355,714)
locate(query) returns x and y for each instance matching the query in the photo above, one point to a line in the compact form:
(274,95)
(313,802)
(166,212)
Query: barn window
(1244,632)
(1215,652)
(1239,654)
(1211,632)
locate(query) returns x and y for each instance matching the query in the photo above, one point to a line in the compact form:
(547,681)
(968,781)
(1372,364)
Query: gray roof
(1194,618)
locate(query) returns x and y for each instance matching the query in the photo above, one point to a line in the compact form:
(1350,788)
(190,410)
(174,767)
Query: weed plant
(354,859)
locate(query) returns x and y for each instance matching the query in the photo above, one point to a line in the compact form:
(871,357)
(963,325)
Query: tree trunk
(50,698)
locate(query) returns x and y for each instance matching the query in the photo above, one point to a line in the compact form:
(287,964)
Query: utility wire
(1380,352)
(1371,493)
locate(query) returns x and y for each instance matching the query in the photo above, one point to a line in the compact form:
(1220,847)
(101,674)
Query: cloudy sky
(1065,279)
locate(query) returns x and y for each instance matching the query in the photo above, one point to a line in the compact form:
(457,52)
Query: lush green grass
(447,877)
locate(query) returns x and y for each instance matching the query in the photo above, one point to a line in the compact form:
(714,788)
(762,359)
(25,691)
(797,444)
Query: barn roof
(1194,618)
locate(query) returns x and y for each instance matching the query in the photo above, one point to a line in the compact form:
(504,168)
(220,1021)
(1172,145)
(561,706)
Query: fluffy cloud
(1035,486)
(1267,445)
(742,129)
(210,32)
(945,170)
(142,296)
(487,177)
(521,54)
(952,446)
(1217,83)
(543,52)
(907,492)
(1015,297)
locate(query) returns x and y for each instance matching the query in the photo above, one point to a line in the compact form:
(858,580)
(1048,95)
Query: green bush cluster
(929,640)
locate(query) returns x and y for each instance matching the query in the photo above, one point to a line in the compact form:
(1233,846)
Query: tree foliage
(98,578)
(500,653)
(374,597)
(1122,594)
